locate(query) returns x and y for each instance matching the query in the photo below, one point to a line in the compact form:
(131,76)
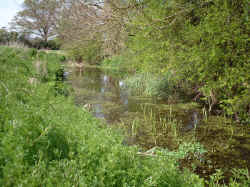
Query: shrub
(88,52)
(205,43)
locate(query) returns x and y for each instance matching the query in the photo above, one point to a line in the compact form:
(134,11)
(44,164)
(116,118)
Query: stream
(110,99)
(150,122)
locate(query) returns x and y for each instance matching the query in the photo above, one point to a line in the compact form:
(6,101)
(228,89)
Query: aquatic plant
(142,84)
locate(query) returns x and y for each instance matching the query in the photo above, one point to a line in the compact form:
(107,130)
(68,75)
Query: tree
(95,24)
(4,35)
(38,17)
(204,44)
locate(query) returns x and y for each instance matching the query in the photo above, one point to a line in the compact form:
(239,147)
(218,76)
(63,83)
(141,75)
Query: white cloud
(19,1)
(8,10)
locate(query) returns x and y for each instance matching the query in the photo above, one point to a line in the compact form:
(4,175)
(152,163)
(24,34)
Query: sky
(8,9)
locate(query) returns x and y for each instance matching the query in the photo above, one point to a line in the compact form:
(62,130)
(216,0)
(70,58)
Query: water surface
(150,122)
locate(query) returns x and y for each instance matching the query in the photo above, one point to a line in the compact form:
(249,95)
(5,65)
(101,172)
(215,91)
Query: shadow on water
(149,122)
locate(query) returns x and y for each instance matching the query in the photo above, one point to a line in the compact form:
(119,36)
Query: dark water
(107,95)
(108,98)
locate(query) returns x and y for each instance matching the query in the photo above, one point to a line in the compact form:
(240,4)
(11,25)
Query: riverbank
(45,140)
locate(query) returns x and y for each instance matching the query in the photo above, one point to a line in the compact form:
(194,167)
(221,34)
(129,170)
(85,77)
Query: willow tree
(38,17)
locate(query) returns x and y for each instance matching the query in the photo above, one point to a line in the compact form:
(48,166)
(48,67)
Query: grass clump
(152,85)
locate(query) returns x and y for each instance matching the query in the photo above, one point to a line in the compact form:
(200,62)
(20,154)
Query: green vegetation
(24,40)
(171,126)
(202,44)
(47,140)
(175,52)
(153,85)
(85,52)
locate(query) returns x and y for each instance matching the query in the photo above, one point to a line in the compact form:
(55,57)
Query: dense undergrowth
(204,45)
(45,140)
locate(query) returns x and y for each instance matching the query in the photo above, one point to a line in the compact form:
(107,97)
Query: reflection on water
(111,101)
(108,95)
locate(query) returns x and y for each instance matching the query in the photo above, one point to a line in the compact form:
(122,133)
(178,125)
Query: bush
(88,52)
(53,45)
(207,45)
(62,58)
(142,84)
(41,44)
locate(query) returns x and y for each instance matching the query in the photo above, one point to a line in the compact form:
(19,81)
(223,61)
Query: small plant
(240,177)
(216,177)
(134,127)
(184,150)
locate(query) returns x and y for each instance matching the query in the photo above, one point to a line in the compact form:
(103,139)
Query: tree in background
(4,36)
(38,17)
(93,29)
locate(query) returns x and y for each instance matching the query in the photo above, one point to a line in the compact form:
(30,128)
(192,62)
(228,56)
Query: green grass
(153,85)
(45,140)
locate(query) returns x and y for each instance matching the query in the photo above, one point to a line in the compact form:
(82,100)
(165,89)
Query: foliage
(8,36)
(82,22)
(38,18)
(163,86)
(32,52)
(142,84)
(15,39)
(40,44)
(115,62)
(48,141)
(202,42)
(86,52)
(183,151)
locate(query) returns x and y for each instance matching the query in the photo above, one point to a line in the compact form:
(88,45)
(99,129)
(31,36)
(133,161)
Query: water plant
(144,84)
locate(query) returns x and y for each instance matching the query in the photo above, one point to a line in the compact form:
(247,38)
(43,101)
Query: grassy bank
(45,140)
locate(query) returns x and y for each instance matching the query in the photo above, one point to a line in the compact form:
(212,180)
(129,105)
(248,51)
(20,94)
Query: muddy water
(150,122)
